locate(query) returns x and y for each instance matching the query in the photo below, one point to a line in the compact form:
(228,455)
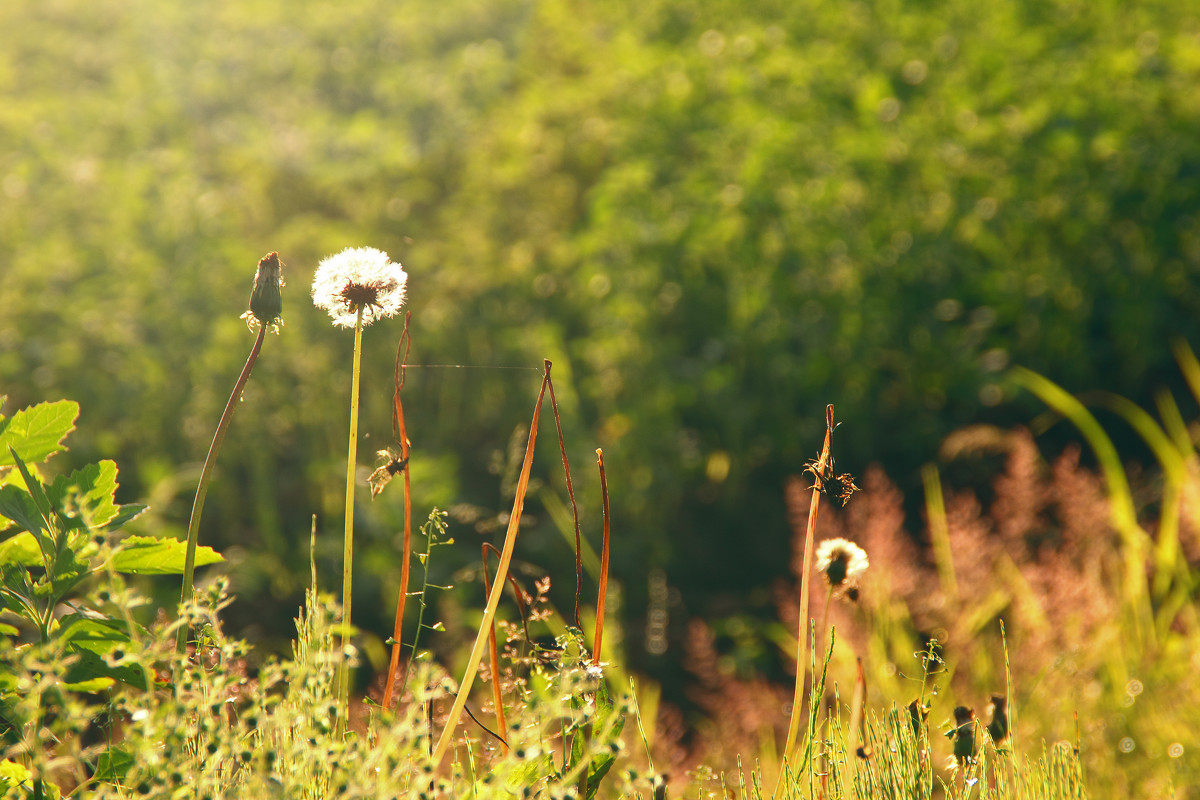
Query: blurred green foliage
(713,217)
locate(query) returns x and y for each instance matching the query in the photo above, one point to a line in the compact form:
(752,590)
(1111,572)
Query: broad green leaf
(125,513)
(10,477)
(18,507)
(96,634)
(84,499)
(33,486)
(37,432)
(21,549)
(597,769)
(90,669)
(113,764)
(8,630)
(95,640)
(149,555)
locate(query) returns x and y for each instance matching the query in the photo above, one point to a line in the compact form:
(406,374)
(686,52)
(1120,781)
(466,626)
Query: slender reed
(489,613)
(602,591)
(400,434)
(562,448)
(819,470)
(266,305)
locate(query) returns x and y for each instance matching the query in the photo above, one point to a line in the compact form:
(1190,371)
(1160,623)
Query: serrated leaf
(113,764)
(89,667)
(84,499)
(96,634)
(22,550)
(11,477)
(149,555)
(597,769)
(33,486)
(18,506)
(37,432)
(125,513)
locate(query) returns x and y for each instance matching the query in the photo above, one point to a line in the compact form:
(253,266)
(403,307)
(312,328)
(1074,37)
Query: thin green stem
(189,562)
(348,551)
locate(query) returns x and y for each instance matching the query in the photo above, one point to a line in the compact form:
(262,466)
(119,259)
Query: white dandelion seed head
(841,561)
(359,276)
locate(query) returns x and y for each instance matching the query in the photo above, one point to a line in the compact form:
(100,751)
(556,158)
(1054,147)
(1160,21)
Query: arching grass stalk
(266,305)
(489,613)
(356,287)
(819,470)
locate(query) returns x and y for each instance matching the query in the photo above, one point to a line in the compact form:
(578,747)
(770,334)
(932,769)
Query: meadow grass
(1067,603)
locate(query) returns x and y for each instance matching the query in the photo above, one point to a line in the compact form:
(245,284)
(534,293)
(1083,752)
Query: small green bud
(266,302)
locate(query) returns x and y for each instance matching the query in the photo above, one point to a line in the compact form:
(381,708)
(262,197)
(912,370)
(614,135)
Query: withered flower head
(998,727)
(266,302)
(394,464)
(841,562)
(963,734)
(359,278)
(826,480)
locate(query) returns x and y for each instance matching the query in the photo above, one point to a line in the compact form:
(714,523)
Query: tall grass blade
(1124,516)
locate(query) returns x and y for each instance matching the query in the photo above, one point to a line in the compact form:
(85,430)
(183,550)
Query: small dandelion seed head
(841,562)
(359,278)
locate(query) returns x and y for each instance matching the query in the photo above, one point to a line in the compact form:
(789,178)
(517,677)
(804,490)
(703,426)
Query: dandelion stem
(189,562)
(348,550)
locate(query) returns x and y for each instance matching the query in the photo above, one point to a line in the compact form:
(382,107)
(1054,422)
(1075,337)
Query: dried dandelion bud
(998,727)
(963,734)
(841,562)
(266,301)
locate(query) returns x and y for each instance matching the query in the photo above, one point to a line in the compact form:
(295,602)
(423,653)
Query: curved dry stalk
(510,541)
(210,461)
(497,697)
(805,587)
(562,448)
(400,434)
(602,591)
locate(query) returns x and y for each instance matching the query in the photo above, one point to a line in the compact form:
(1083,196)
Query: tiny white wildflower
(842,562)
(359,277)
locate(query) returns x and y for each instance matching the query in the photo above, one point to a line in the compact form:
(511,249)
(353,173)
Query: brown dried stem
(805,588)
(574,507)
(400,433)
(602,592)
(489,613)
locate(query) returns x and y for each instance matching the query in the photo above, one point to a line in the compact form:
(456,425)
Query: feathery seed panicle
(359,277)
(841,562)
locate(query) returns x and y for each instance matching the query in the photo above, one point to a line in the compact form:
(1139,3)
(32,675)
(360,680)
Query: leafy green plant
(62,533)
